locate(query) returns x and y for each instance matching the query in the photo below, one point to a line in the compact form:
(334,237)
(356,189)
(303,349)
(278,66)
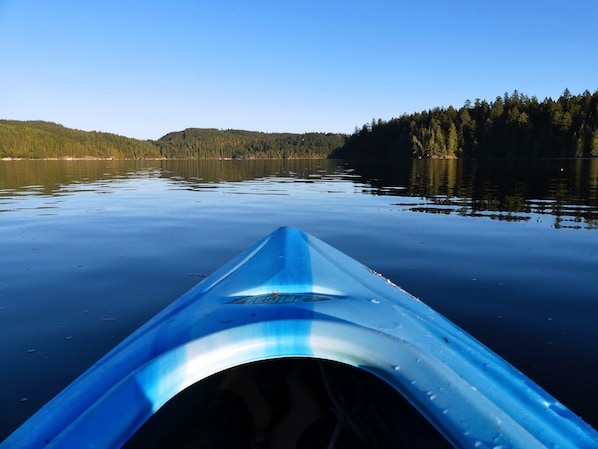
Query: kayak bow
(290,296)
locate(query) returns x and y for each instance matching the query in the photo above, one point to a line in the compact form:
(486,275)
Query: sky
(143,68)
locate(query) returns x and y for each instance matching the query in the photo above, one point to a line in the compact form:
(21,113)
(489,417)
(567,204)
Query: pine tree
(453,141)
(594,148)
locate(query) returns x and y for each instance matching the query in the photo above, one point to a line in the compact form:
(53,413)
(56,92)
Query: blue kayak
(295,340)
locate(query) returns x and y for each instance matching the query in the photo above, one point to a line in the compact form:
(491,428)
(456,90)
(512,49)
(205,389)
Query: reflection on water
(514,190)
(55,178)
(521,190)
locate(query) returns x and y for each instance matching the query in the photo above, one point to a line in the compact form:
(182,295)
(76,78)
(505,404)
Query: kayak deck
(293,296)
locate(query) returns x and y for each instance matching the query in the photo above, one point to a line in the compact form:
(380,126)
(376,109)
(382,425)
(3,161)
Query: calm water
(92,249)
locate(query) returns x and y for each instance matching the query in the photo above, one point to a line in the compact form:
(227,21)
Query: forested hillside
(511,126)
(235,144)
(38,139)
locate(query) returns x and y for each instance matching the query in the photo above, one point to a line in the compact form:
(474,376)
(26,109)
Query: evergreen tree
(594,147)
(453,141)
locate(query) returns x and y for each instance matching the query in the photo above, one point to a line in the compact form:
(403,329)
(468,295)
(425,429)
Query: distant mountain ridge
(47,140)
(211,143)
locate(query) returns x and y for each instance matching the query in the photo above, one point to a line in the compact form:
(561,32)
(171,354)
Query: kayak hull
(292,295)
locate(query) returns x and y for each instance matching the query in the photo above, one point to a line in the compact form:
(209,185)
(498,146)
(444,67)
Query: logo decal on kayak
(282,298)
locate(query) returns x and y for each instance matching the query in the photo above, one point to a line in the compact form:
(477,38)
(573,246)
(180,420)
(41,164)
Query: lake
(92,249)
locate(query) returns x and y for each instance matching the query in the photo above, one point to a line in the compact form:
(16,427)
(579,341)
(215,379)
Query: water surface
(92,249)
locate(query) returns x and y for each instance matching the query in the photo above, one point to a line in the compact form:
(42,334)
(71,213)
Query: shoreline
(90,158)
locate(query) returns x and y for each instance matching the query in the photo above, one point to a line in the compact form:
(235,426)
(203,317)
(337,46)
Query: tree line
(512,126)
(46,140)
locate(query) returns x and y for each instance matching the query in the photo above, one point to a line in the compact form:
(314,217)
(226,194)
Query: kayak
(295,344)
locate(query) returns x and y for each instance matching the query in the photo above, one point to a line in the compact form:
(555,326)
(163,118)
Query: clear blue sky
(142,68)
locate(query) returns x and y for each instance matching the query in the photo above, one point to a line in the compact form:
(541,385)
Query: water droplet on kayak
(24,399)
(431,395)
(397,368)
(30,351)
(375,301)
(68,338)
